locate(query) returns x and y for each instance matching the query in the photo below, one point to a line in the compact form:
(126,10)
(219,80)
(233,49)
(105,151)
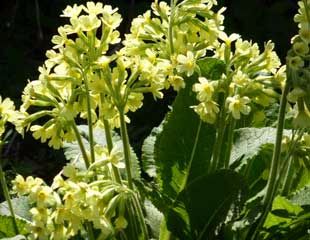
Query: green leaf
(248,142)
(153,218)
(282,210)
(204,204)
(21,208)
(211,68)
(73,153)
(17,237)
(148,148)
(184,148)
(7,227)
(301,197)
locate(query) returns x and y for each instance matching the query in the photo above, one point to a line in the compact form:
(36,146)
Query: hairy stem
(126,147)
(108,136)
(6,193)
(81,145)
(89,121)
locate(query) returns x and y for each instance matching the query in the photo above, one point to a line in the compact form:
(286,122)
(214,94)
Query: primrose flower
(204,89)
(89,22)
(186,63)
(228,39)
(72,12)
(207,111)
(237,105)
(94,8)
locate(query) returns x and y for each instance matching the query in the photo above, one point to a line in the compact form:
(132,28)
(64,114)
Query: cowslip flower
(186,63)
(207,111)
(237,105)
(204,89)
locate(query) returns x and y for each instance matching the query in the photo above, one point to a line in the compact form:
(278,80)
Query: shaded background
(26,27)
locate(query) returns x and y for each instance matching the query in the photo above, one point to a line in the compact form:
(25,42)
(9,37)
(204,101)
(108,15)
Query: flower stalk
(126,148)
(275,162)
(81,145)
(89,120)
(108,136)
(6,193)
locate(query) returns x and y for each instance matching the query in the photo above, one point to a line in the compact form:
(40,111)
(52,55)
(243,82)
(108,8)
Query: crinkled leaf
(21,208)
(301,197)
(7,227)
(204,204)
(148,148)
(73,153)
(248,142)
(211,68)
(17,237)
(153,218)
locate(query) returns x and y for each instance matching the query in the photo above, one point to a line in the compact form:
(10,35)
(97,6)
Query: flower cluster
(298,63)
(168,41)
(62,210)
(249,79)
(7,114)
(77,79)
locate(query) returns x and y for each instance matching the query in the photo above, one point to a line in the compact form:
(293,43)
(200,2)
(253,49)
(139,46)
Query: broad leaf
(184,148)
(153,218)
(204,204)
(302,197)
(148,148)
(211,68)
(249,142)
(21,208)
(17,237)
(7,227)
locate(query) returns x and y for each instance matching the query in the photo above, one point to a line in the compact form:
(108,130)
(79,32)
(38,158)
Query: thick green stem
(170,29)
(108,136)
(90,231)
(275,163)
(230,136)
(81,145)
(126,147)
(89,121)
(6,193)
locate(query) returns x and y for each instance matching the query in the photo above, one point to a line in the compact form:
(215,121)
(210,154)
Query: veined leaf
(17,237)
(21,208)
(148,147)
(184,148)
(249,141)
(204,204)
(7,227)
(302,197)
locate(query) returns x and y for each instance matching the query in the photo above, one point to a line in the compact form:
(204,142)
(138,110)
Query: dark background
(26,27)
